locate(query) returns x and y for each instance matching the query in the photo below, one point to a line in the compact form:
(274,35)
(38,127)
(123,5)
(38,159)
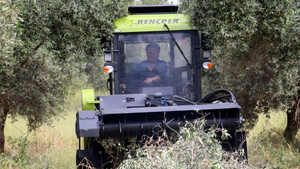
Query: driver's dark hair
(153,45)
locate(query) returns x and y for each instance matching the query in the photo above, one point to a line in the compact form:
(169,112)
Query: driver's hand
(123,87)
(151,79)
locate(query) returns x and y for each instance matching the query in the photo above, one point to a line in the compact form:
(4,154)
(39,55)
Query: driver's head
(152,51)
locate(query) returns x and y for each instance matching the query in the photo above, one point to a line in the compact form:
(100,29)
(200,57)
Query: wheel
(93,156)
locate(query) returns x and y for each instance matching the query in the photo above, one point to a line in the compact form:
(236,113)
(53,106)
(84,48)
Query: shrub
(19,155)
(16,157)
(196,147)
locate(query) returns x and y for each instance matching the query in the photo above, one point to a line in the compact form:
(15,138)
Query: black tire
(93,156)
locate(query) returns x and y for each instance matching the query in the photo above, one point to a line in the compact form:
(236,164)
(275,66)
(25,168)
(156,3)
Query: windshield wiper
(173,38)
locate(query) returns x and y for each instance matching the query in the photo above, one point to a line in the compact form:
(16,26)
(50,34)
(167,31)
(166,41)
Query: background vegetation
(48,47)
(256,53)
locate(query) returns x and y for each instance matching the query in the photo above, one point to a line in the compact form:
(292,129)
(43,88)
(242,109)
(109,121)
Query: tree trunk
(3,117)
(293,120)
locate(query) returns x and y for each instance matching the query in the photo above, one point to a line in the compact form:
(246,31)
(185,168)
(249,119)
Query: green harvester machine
(145,93)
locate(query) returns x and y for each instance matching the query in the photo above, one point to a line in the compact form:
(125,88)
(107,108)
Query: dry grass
(48,146)
(52,146)
(267,147)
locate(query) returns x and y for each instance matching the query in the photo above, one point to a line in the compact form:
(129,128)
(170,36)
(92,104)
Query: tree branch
(39,45)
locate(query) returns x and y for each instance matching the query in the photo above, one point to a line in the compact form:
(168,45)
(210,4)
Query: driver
(151,72)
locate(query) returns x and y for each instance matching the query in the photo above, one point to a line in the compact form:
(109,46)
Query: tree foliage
(256,50)
(46,44)
(78,28)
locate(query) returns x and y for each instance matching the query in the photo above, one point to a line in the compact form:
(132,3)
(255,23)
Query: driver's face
(152,55)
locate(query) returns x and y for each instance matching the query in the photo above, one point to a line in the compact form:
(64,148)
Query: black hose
(183,99)
(226,94)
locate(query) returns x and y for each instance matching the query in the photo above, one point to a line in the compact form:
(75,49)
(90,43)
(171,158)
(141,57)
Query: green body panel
(88,99)
(154,22)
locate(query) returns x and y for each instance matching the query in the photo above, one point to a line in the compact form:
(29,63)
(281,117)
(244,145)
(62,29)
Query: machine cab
(156,53)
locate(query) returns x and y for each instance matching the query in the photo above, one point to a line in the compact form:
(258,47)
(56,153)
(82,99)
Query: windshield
(151,63)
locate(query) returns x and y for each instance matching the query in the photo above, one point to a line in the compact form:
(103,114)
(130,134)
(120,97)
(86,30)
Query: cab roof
(152,9)
(152,19)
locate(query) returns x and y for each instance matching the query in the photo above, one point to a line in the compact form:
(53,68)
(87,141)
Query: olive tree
(44,45)
(256,53)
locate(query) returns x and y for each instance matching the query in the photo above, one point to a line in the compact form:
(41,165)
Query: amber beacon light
(207,65)
(108,69)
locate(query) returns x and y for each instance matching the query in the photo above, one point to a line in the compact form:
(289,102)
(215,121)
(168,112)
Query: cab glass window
(151,63)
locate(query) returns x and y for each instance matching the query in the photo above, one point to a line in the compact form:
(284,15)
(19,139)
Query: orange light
(207,65)
(108,69)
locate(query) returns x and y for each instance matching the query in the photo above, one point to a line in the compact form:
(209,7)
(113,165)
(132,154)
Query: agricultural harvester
(154,65)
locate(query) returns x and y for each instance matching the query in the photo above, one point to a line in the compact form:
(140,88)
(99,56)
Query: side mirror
(204,42)
(107,54)
(204,46)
